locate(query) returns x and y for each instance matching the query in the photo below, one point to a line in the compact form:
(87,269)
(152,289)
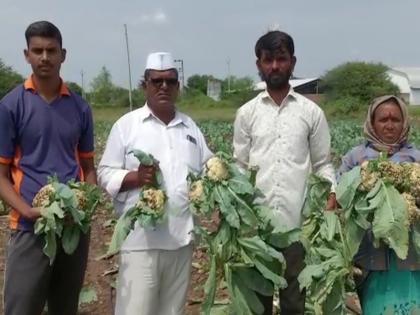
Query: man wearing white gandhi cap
(160,61)
(155,264)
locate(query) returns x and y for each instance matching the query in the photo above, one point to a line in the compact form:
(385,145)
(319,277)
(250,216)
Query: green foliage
(344,136)
(65,215)
(87,295)
(357,83)
(328,272)
(106,93)
(143,213)
(192,97)
(235,91)
(240,249)
(75,88)
(9,78)
(218,135)
(234,84)
(382,208)
(102,88)
(3,207)
(238,97)
(199,82)
(345,106)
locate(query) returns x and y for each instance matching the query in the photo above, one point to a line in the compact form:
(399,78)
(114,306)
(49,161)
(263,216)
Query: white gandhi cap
(160,61)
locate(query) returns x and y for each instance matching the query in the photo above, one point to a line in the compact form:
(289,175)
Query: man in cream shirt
(287,136)
(155,264)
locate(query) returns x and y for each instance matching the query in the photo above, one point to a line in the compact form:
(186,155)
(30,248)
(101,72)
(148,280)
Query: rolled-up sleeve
(111,169)
(7,135)
(241,140)
(205,151)
(320,149)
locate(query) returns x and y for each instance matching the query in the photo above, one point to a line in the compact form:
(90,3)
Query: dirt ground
(96,275)
(100,276)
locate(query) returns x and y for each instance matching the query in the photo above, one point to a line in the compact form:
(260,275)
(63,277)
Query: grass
(223,112)
(111,114)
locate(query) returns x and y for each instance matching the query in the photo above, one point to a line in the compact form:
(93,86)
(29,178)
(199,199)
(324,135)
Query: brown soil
(98,268)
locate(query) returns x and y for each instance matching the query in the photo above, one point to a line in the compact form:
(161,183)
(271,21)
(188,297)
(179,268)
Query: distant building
(214,89)
(408,81)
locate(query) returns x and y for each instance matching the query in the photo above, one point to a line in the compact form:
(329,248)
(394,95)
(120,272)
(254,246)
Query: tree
(8,79)
(199,82)
(357,82)
(102,88)
(75,88)
(233,83)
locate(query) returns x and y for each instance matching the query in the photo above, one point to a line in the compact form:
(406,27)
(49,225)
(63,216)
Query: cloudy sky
(206,35)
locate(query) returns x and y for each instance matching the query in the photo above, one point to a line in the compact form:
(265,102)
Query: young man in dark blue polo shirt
(46,130)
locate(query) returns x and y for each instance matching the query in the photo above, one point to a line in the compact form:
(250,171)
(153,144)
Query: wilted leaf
(209,289)
(87,295)
(70,239)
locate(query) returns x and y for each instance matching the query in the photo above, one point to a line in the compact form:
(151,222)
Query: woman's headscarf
(370,133)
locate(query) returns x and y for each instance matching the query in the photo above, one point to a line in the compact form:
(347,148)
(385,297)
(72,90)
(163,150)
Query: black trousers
(30,281)
(292,300)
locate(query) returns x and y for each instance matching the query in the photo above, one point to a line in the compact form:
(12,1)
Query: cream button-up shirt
(287,142)
(179,147)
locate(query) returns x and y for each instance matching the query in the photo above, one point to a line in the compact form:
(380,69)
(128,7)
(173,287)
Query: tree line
(348,87)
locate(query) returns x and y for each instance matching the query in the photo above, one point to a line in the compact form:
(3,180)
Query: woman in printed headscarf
(389,285)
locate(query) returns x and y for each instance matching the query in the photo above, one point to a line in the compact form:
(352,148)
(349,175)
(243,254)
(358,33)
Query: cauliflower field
(345,134)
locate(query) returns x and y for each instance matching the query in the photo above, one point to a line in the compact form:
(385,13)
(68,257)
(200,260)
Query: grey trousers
(30,281)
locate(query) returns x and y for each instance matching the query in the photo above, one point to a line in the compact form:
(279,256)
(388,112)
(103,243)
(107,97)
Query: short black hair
(43,29)
(147,74)
(274,41)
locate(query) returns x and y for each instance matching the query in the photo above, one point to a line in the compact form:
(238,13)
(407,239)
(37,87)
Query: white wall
(400,80)
(415,97)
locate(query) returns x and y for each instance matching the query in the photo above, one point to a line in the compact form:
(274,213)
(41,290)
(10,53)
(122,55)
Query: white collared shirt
(179,147)
(286,142)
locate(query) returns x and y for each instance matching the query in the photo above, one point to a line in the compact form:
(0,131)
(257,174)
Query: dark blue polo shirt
(40,139)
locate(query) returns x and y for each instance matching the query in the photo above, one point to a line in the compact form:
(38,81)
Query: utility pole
(181,72)
(82,74)
(228,66)
(129,69)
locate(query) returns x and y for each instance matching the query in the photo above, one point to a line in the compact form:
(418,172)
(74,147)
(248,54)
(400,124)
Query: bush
(344,107)
(357,82)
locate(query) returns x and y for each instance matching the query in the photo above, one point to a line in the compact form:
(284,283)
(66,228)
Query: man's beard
(277,80)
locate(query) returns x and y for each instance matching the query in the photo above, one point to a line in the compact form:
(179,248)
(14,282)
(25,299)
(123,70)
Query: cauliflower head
(44,197)
(217,169)
(369,178)
(413,211)
(80,198)
(196,191)
(154,199)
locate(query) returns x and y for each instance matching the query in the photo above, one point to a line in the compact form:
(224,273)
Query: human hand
(331,202)
(31,213)
(146,174)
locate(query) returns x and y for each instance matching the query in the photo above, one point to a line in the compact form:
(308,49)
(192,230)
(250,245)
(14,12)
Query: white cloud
(158,17)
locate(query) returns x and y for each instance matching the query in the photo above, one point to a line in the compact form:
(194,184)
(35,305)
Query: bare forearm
(90,177)
(89,171)
(130,181)
(145,175)
(9,195)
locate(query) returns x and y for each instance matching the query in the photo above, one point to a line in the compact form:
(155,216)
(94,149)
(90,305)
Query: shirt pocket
(191,156)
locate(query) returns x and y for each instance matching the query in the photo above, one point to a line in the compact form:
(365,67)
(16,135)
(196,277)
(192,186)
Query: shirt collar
(29,85)
(266,96)
(404,145)
(146,113)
